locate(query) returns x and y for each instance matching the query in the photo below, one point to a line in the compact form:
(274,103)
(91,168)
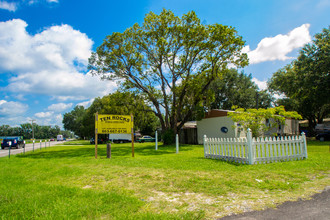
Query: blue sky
(45,45)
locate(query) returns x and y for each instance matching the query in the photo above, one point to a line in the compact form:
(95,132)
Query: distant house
(216,123)
(319,128)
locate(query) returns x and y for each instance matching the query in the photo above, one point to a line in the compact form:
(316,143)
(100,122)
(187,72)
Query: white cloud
(20,97)
(61,85)
(59,107)
(10,6)
(66,98)
(86,104)
(58,119)
(12,108)
(14,120)
(50,62)
(277,48)
(47,118)
(31,2)
(57,47)
(44,114)
(261,84)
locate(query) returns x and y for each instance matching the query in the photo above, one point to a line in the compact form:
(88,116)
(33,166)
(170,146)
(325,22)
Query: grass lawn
(67,182)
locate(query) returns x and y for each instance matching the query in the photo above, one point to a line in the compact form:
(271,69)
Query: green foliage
(82,121)
(305,82)
(238,89)
(73,121)
(169,60)
(122,103)
(25,130)
(255,119)
(168,137)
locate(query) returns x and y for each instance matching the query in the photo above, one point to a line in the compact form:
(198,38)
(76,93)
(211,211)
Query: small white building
(217,124)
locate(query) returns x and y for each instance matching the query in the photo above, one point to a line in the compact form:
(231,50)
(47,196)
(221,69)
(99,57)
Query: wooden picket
(256,150)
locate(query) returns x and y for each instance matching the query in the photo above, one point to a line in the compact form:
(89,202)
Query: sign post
(9,143)
(113,124)
(96,132)
(24,146)
(132,135)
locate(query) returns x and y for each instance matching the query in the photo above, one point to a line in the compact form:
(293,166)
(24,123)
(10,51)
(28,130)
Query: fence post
(204,144)
(9,143)
(250,146)
(305,144)
(177,143)
(109,150)
(156,139)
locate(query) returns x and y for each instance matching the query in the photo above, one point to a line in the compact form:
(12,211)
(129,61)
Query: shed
(188,134)
(216,123)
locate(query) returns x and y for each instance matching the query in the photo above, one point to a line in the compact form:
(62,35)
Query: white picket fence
(256,150)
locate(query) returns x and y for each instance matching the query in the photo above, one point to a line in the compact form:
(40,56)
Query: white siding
(212,128)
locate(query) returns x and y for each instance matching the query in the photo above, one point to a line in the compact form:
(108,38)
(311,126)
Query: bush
(168,137)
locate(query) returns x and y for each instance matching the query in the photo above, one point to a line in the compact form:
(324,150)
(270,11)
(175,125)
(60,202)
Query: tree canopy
(82,121)
(170,61)
(255,118)
(122,103)
(72,121)
(305,82)
(40,131)
(237,89)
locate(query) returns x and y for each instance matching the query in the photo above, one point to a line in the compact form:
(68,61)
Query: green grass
(67,182)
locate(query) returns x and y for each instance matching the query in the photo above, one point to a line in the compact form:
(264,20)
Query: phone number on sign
(115,131)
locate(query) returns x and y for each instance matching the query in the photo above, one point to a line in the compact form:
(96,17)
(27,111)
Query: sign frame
(112,124)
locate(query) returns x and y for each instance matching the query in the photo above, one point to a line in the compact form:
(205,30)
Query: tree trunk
(311,127)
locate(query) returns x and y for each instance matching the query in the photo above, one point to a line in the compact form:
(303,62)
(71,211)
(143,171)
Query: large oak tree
(121,103)
(170,60)
(306,81)
(238,89)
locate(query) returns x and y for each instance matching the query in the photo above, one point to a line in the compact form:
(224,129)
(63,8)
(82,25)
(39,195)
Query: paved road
(28,147)
(317,208)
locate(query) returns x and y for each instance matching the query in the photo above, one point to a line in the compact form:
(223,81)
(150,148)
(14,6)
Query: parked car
(99,141)
(16,142)
(146,139)
(323,136)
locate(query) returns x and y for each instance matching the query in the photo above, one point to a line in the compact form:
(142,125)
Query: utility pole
(32,120)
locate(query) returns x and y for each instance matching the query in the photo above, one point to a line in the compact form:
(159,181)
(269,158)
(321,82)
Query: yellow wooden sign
(113,124)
